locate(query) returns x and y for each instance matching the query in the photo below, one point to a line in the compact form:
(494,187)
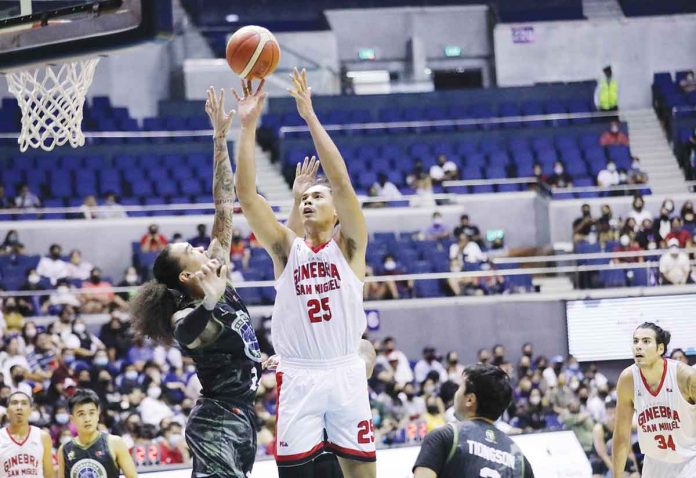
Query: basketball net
(51,100)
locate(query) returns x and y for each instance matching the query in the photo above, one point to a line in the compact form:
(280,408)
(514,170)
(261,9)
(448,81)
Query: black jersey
(226,353)
(477,450)
(94,460)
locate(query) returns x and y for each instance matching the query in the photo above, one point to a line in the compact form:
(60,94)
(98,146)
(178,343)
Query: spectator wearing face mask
(116,337)
(33,303)
(606,96)
(391,267)
(415,174)
(635,174)
(609,176)
(580,423)
(10,241)
(153,241)
(679,233)
(584,228)
(454,368)
(638,211)
(627,243)
(131,278)
(647,237)
(26,199)
(52,266)
(402,372)
(688,217)
(443,170)
(531,414)
(77,267)
(663,223)
(413,404)
(483,356)
(386,189)
(437,229)
(466,250)
(675,268)
(84,344)
(172,447)
(101,295)
(613,137)
(606,226)
(688,83)
(559,178)
(434,414)
(427,364)
(467,228)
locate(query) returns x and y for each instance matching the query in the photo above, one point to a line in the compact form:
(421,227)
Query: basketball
(253,52)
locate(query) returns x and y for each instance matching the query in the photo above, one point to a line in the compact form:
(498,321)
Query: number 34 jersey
(318,313)
(666,421)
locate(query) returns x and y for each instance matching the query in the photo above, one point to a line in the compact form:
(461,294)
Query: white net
(51,100)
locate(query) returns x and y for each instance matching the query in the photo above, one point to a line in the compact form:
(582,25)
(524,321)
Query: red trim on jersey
(351,452)
(299,456)
(662,380)
(318,248)
(16,442)
(279,384)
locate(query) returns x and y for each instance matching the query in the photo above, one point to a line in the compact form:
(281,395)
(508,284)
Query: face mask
(95,279)
(669,206)
(33,279)
(185,410)
(65,440)
(101,361)
(574,384)
(154,392)
(583,400)
(638,206)
(428,389)
(153,230)
(236,238)
(611,167)
(62,418)
(624,241)
(12,238)
(85,383)
(535,400)
(131,374)
(34,416)
(176,438)
(30,333)
(191,368)
(79,328)
(558,170)
(390,265)
(674,250)
(410,395)
(689,217)
(635,165)
(614,129)
(132,278)
(433,410)
(62,289)
(19,377)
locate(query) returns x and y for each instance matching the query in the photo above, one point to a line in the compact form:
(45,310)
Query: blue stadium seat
(427,288)
(613,277)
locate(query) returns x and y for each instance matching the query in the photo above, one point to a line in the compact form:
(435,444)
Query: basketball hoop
(51,100)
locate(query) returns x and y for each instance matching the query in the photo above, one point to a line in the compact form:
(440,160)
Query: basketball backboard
(34,32)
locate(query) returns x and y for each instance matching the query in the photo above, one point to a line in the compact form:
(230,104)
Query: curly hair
(157,300)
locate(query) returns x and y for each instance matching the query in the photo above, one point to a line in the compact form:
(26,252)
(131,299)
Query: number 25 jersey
(318,312)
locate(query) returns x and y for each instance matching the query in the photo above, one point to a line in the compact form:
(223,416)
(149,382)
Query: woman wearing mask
(82,341)
(663,223)
(639,213)
(60,421)
(689,217)
(77,268)
(530,415)
(131,278)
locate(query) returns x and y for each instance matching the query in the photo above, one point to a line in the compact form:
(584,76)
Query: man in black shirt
(467,228)
(474,447)
(584,225)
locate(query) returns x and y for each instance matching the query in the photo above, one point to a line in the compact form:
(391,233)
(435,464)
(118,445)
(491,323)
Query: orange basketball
(253,52)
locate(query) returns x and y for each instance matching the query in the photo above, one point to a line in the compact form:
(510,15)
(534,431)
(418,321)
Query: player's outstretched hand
(302,93)
(250,104)
(271,363)
(215,107)
(212,278)
(305,175)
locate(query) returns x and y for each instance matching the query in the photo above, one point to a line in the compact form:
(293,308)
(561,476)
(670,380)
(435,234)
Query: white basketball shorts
(661,469)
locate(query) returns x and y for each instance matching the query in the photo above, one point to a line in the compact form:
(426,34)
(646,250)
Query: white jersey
(666,421)
(21,459)
(318,313)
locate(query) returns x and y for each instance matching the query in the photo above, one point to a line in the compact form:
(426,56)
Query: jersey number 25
(319,310)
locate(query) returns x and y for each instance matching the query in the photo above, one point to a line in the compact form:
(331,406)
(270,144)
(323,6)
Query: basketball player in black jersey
(191,301)
(92,453)
(474,447)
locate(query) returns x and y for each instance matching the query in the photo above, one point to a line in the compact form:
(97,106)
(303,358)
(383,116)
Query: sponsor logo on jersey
(669,390)
(242,325)
(490,436)
(316,270)
(658,414)
(284,444)
(88,468)
(21,464)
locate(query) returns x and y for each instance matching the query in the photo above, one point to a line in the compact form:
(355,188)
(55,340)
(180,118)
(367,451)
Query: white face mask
(558,170)
(132,278)
(390,265)
(65,440)
(131,374)
(154,392)
(535,400)
(176,438)
(437,221)
(611,167)
(624,241)
(33,279)
(62,418)
(635,165)
(79,328)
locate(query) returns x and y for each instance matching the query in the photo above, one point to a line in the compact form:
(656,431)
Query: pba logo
(88,469)
(490,436)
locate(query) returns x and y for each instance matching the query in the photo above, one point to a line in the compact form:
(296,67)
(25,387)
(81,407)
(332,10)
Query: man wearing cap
(675,268)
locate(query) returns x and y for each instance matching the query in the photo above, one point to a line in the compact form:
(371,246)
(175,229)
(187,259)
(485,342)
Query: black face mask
(410,396)
(186,411)
(433,410)
(18,378)
(583,400)
(153,230)
(84,383)
(95,279)
(236,238)
(55,255)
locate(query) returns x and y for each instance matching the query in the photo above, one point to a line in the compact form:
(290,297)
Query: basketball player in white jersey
(662,392)
(25,450)
(318,317)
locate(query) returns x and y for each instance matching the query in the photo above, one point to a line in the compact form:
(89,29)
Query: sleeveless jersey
(666,421)
(318,312)
(21,458)
(228,361)
(95,461)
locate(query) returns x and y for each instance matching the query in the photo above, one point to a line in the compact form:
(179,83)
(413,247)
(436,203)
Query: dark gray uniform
(94,460)
(478,449)
(221,431)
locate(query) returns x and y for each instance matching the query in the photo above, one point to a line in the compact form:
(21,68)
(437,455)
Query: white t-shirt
(675,268)
(438,172)
(388,191)
(471,253)
(80,271)
(153,411)
(607,178)
(639,217)
(52,269)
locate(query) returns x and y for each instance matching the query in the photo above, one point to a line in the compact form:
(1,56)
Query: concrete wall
(578,50)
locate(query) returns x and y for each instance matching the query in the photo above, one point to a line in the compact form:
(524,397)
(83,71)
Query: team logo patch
(242,325)
(490,436)
(88,468)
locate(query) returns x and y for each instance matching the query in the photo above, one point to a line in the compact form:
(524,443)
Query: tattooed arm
(686,377)
(223,178)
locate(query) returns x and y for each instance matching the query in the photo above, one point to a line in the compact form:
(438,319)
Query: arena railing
(493,272)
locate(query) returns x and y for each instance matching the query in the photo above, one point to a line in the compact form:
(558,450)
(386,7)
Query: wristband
(209,302)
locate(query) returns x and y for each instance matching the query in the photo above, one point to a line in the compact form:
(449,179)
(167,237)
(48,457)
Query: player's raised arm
(272,235)
(350,215)
(223,178)
(622,423)
(305,175)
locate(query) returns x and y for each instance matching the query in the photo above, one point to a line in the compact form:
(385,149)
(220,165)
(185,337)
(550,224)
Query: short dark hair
(662,336)
(492,388)
(674,351)
(83,396)
(19,392)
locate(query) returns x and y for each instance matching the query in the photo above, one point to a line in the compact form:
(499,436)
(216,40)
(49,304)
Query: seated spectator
(629,227)
(443,170)
(688,83)
(402,368)
(580,422)
(663,223)
(239,251)
(82,342)
(131,278)
(116,337)
(31,305)
(12,315)
(559,178)
(608,176)
(606,226)
(454,368)
(415,174)
(494,283)
(647,237)
(176,238)
(635,175)
(467,228)
(153,241)
(675,268)
(88,210)
(102,295)
(202,239)
(172,446)
(111,209)
(539,174)
(11,240)
(385,188)
(584,227)
(423,191)
(61,297)
(26,199)
(52,266)
(397,289)
(375,290)
(5,202)
(638,211)
(429,363)
(437,230)
(678,232)
(462,285)
(613,137)
(78,268)
(688,217)
(372,196)
(679,355)
(627,244)
(466,250)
